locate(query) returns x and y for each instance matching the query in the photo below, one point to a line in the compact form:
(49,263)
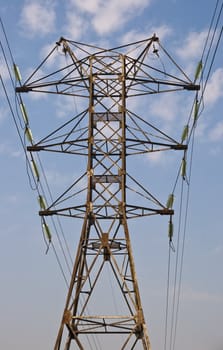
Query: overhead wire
(204,78)
(211,65)
(167,299)
(168,295)
(38,184)
(175,318)
(198,104)
(178,247)
(184,229)
(191,140)
(27,160)
(193,134)
(22,140)
(213,34)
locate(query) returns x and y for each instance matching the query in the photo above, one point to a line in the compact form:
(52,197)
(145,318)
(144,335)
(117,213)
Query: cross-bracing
(106,133)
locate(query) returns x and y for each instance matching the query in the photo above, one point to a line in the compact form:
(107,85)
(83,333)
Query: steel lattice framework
(106,132)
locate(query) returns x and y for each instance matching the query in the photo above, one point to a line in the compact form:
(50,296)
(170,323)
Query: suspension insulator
(170,230)
(29,135)
(196,110)
(47,232)
(198,70)
(185,133)
(42,202)
(24,113)
(35,169)
(183,168)
(170,200)
(17,73)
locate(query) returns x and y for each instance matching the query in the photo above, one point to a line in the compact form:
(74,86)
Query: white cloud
(166,107)
(201,296)
(133,35)
(162,31)
(56,60)
(193,45)
(191,50)
(8,150)
(216,134)
(44,52)
(114,14)
(37,18)
(39,74)
(108,16)
(218,250)
(201,129)
(4,112)
(12,199)
(215,151)
(214,89)
(3,70)
(156,157)
(65,105)
(57,178)
(76,25)
(91,6)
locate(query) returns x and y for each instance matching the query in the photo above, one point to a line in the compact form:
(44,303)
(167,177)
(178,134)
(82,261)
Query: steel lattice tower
(110,132)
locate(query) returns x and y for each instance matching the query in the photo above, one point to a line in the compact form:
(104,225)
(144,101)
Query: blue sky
(32,287)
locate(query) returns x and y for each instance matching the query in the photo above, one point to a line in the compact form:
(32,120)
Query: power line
(173,336)
(191,139)
(38,185)
(30,172)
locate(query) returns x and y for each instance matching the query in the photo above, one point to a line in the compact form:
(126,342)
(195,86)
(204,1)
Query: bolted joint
(67,317)
(34,148)
(155,38)
(165,211)
(139,331)
(23,89)
(47,212)
(180,147)
(106,254)
(139,325)
(192,87)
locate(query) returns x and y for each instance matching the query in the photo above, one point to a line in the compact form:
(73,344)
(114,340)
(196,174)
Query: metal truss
(106,133)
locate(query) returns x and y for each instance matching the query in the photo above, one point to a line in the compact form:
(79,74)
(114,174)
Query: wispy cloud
(201,296)
(170,111)
(114,14)
(192,46)
(106,17)
(3,114)
(59,179)
(165,107)
(218,250)
(190,50)
(12,199)
(216,134)
(9,150)
(134,35)
(214,89)
(37,18)
(162,31)
(156,157)
(69,106)
(76,25)
(3,70)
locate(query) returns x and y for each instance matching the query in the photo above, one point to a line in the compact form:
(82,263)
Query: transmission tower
(106,133)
